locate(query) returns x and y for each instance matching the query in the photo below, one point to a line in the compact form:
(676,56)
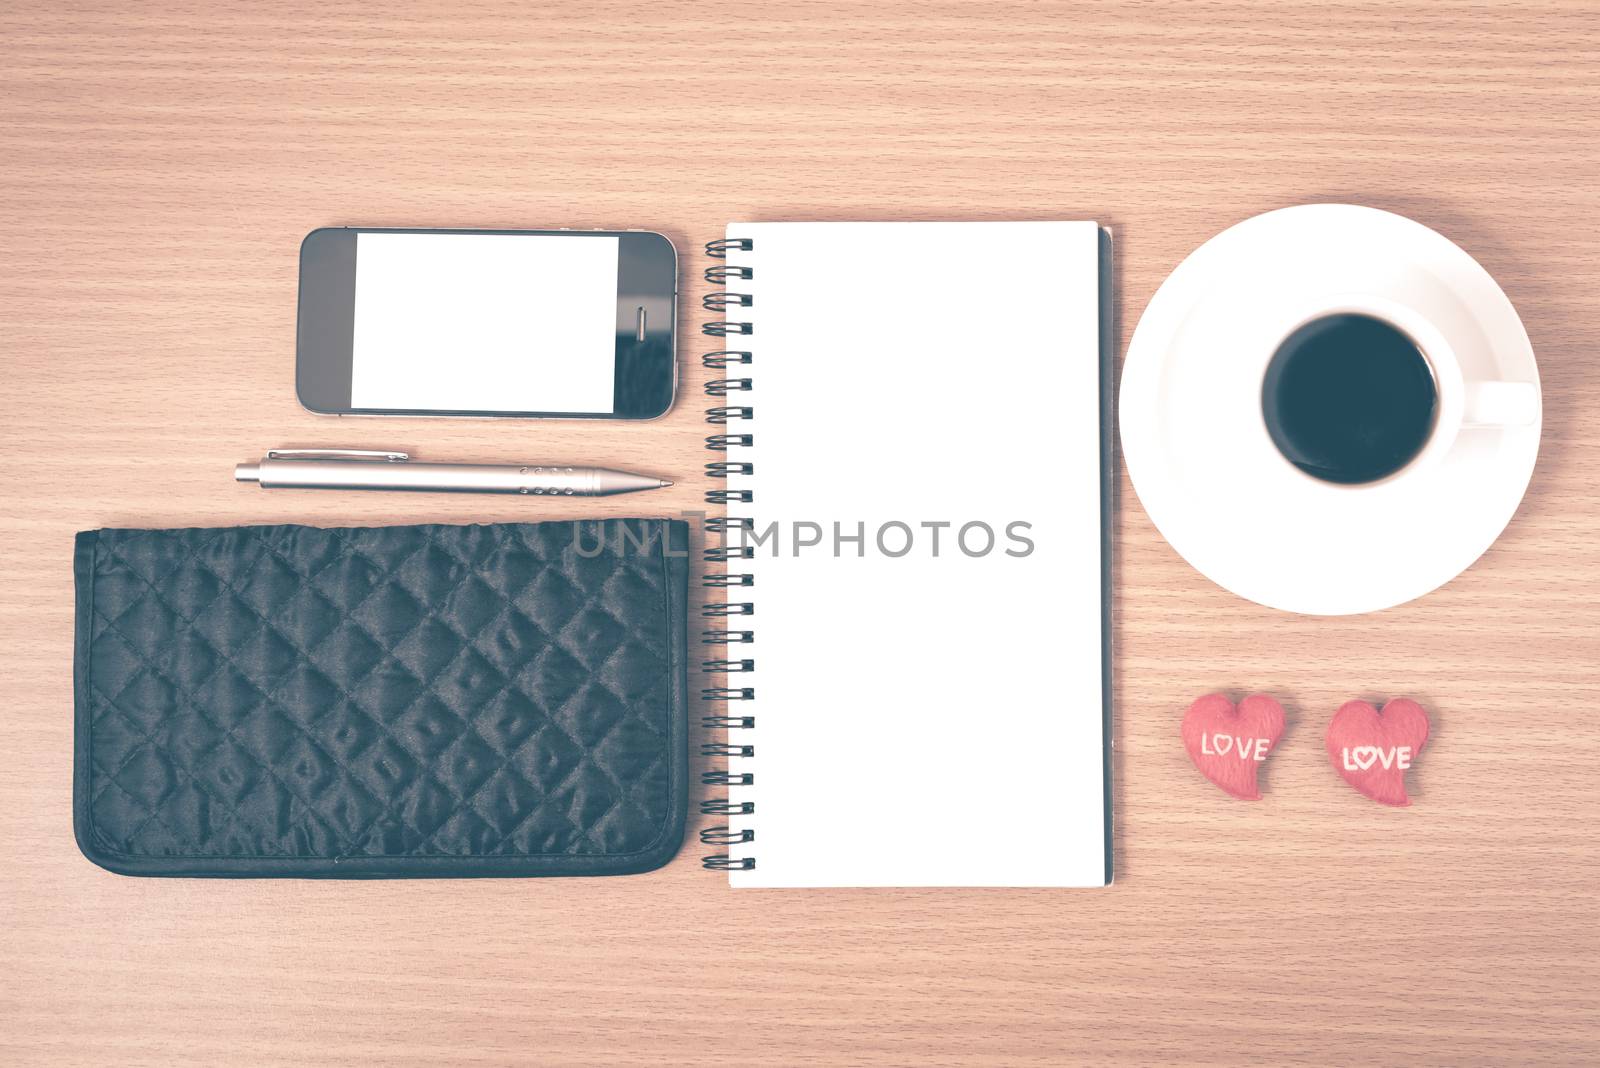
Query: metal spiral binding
(723,862)
(719,250)
(727,808)
(726,637)
(723,835)
(722,302)
(727,778)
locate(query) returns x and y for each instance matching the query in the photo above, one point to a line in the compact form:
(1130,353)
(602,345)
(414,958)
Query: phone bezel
(647,268)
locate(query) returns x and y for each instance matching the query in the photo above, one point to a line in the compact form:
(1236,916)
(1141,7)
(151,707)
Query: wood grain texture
(158,166)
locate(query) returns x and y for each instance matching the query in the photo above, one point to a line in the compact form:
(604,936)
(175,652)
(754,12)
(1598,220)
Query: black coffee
(1349,398)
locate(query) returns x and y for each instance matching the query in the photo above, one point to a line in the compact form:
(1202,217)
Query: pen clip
(337,454)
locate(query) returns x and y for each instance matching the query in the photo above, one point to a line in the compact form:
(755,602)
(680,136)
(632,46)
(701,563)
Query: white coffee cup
(1462,402)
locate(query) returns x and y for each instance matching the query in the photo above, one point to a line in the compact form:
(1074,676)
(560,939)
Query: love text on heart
(1244,748)
(1362,757)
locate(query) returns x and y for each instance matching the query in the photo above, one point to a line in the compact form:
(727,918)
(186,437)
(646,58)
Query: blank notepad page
(926,512)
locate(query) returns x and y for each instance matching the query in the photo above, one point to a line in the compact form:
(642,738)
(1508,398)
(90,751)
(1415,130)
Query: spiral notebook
(909,596)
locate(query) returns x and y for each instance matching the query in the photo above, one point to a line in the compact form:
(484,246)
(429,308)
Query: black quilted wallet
(382,701)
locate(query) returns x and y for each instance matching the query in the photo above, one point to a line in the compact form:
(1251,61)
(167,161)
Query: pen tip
(666,482)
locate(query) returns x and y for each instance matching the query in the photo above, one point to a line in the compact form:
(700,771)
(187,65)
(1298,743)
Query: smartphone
(576,324)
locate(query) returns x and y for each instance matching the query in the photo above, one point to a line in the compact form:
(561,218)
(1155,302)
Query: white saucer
(1241,514)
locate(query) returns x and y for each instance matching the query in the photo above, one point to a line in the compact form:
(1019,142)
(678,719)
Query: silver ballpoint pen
(380,470)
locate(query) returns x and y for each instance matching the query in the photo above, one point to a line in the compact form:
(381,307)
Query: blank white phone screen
(485,322)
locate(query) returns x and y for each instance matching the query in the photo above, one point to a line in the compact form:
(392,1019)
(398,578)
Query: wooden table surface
(158,168)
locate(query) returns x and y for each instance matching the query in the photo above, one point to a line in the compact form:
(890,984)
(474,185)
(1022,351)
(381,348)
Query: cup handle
(1501,404)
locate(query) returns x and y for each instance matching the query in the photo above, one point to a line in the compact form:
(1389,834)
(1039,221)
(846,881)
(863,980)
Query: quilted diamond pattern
(391,700)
